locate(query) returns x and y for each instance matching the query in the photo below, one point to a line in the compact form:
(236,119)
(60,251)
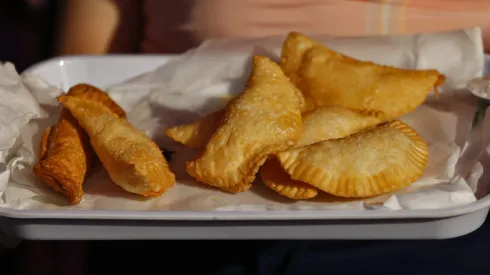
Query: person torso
(176,25)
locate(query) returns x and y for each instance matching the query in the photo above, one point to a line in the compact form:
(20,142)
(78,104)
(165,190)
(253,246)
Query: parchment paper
(201,80)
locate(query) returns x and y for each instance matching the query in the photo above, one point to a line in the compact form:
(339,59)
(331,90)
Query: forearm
(486,39)
(87,26)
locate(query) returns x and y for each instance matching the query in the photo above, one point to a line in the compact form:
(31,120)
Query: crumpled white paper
(201,80)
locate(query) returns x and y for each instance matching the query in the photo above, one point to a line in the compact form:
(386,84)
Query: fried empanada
(333,122)
(65,154)
(93,93)
(329,122)
(196,134)
(274,177)
(373,162)
(262,120)
(132,160)
(329,78)
(324,123)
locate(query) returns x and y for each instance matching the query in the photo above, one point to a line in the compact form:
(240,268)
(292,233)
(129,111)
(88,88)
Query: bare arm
(96,27)
(486,38)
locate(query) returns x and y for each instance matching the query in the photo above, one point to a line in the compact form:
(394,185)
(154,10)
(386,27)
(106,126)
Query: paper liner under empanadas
(262,120)
(329,78)
(65,154)
(132,160)
(274,177)
(373,162)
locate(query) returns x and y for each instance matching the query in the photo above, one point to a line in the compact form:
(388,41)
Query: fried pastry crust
(370,163)
(274,177)
(329,78)
(333,122)
(132,160)
(324,123)
(196,134)
(93,93)
(262,120)
(65,154)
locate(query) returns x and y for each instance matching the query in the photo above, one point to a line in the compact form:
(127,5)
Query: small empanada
(373,162)
(196,134)
(329,78)
(262,120)
(329,122)
(64,157)
(274,177)
(132,160)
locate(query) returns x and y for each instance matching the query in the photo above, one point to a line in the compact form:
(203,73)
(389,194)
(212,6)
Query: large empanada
(65,154)
(324,123)
(330,78)
(132,160)
(373,162)
(262,120)
(274,177)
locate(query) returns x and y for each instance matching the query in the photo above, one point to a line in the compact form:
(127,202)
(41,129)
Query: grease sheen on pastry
(65,154)
(264,119)
(329,78)
(196,134)
(274,177)
(373,162)
(132,160)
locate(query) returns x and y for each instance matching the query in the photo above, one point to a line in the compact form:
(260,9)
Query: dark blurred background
(27,31)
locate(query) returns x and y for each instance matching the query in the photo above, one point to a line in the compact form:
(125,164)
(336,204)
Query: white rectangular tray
(103,71)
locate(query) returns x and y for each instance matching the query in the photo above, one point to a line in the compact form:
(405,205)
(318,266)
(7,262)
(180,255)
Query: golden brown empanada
(333,122)
(93,93)
(196,134)
(329,78)
(65,157)
(329,122)
(262,120)
(65,154)
(132,160)
(373,162)
(274,177)
(324,123)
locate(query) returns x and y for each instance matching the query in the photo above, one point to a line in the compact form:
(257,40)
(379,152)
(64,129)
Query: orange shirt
(175,25)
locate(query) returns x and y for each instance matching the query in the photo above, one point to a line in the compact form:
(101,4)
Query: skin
(109,26)
(98,25)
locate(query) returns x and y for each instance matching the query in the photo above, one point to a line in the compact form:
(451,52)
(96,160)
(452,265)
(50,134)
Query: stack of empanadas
(317,121)
(91,121)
